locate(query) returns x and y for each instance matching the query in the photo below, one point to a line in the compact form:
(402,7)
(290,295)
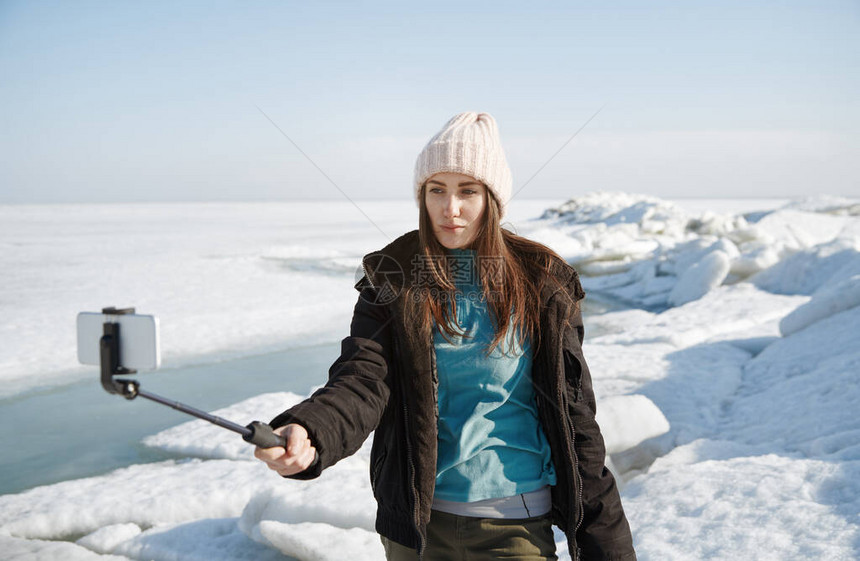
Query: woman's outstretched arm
(339,416)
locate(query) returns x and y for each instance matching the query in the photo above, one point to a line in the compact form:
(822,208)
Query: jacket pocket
(376,467)
(573,376)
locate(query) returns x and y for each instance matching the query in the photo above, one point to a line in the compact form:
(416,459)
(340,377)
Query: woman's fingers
(296,457)
(296,438)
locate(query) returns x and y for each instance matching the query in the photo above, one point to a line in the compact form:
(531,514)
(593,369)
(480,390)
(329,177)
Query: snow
(317,542)
(726,390)
(808,381)
(744,505)
(658,254)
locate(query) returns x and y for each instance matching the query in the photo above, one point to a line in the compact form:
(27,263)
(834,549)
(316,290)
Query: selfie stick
(257,433)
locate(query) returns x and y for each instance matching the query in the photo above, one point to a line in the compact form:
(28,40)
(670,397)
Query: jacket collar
(398,265)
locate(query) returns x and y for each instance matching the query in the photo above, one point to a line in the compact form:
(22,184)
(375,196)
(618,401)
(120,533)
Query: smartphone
(138,339)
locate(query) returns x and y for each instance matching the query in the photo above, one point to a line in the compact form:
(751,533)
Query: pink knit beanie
(468,144)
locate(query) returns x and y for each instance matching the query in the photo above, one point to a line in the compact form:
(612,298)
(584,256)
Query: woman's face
(456,204)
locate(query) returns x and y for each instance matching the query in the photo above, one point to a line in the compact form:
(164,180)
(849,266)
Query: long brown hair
(511,269)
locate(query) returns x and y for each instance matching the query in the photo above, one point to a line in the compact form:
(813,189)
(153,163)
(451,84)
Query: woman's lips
(452,228)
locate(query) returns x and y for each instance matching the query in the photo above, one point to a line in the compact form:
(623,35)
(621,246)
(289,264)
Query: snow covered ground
(727,390)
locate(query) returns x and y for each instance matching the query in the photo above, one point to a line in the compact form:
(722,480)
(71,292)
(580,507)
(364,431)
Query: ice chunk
(627,420)
(331,517)
(824,303)
(629,423)
(755,257)
(796,230)
(809,270)
(314,541)
(700,278)
(207,539)
(341,496)
(13,548)
(617,208)
(107,538)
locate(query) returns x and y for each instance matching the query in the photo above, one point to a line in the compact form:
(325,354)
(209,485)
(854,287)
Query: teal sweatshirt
(490,444)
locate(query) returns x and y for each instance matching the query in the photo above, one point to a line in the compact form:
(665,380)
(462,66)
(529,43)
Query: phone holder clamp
(110,359)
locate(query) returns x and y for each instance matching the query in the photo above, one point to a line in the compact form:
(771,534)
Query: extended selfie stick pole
(256,433)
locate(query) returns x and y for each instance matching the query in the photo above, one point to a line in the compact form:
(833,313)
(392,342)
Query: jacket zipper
(576,465)
(572,446)
(409,460)
(410,463)
(578,498)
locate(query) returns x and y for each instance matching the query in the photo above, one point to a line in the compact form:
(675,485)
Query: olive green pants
(451,537)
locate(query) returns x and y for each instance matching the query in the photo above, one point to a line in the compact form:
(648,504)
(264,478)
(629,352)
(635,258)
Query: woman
(465,357)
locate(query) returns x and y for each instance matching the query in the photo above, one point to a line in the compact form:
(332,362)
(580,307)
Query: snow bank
(145,495)
(653,253)
(742,505)
(801,393)
(775,471)
(725,313)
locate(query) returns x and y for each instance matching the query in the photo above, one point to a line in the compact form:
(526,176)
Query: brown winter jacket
(382,383)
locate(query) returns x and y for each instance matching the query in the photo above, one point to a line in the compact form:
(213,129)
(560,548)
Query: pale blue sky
(150,101)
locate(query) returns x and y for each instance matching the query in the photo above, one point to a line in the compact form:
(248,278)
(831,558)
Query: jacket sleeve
(340,415)
(603,533)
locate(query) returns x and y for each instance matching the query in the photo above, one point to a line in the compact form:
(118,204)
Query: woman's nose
(452,207)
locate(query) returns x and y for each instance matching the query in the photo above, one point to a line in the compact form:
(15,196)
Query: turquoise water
(80,430)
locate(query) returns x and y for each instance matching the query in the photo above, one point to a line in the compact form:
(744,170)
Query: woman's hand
(298,455)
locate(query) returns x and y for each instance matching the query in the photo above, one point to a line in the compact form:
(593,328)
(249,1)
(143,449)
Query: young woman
(465,358)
